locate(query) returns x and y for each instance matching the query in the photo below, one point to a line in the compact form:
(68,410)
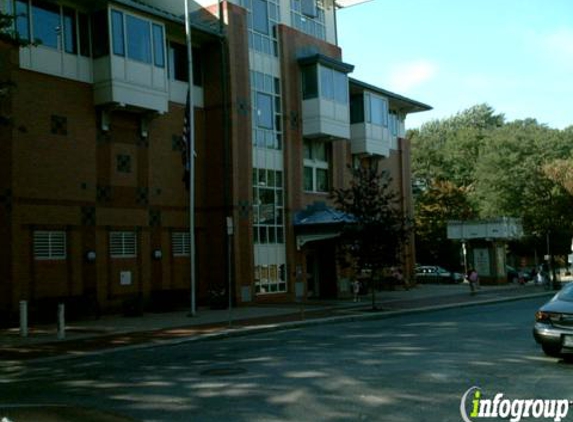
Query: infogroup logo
(516,410)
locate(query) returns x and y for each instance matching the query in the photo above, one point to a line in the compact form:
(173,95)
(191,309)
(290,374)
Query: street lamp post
(191,155)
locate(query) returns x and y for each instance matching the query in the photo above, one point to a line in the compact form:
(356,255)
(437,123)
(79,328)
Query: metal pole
(191,152)
(23,318)
(230,231)
(61,322)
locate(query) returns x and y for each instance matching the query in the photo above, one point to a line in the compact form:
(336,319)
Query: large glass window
(333,84)
(376,110)
(264,111)
(158,46)
(22,19)
(118,37)
(326,83)
(260,16)
(267,117)
(138,39)
(46,23)
(316,166)
(70,31)
(308,16)
(268,209)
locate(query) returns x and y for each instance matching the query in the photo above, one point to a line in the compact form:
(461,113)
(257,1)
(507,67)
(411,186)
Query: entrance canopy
(318,221)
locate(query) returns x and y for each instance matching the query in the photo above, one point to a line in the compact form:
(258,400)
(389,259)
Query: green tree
(373,240)
(435,206)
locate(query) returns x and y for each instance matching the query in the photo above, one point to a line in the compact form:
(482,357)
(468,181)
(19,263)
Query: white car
(437,274)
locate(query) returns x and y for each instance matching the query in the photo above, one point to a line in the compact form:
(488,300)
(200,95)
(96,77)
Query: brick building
(93,209)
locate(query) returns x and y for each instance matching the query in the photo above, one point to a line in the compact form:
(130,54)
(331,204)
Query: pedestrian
(473,279)
(398,276)
(356,290)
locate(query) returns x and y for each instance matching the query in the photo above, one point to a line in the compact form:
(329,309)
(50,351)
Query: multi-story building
(93,208)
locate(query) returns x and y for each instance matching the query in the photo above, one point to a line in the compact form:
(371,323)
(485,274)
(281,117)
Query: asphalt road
(403,369)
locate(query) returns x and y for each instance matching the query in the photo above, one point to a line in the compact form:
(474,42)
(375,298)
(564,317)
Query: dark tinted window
(46,23)
(309,82)
(84,30)
(100,39)
(357,109)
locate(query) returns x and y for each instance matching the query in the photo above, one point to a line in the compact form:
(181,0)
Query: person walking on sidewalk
(356,290)
(473,279)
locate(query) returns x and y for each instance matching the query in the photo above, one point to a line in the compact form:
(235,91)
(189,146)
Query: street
(403,369)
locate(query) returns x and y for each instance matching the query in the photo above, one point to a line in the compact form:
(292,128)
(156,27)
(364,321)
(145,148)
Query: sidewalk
(112,332)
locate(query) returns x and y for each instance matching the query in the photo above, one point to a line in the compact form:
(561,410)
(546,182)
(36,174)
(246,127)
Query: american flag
(186,142)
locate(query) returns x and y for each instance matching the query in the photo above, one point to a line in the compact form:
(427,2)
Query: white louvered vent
(49,245)
(180,242)
(123,244)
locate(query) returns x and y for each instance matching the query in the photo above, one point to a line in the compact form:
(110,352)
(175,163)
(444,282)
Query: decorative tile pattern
(124,163)
(244,210)
(154,218)
(294,120)
(89,216)
(59,125)
(142,196)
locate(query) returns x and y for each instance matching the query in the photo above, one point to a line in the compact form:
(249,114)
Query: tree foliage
(379,229)
(519,169)
(440,202)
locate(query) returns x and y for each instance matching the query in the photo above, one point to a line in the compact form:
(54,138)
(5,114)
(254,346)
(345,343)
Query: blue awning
(319,214)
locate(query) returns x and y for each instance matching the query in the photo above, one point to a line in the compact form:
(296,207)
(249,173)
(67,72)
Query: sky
(514,55)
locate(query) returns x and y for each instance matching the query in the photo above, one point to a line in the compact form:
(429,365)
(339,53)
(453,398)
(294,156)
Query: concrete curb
(261,329)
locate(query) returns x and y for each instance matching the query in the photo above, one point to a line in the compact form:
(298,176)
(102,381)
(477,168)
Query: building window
(264,111)
(268,206)
(138,39)
(324,82)
(178,64)
(333,85)
(70,31)
(117,31)
(260,16)
(376,110)
(100,36)
(123,244)
(46,23)
(267,116)
(270,278)
(180,244)
(49,245)
(316,166)
(53,26)
(158,46)
(393,124)
(22,13)
(308,16)
(145,41)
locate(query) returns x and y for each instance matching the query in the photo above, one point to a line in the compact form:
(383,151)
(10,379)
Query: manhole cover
(223,371)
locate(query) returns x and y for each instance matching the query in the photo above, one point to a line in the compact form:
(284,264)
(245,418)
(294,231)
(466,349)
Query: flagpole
(191,154)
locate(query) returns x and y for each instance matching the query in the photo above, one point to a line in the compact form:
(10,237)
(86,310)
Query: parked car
(437,274)
(522,275)
(553,328)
